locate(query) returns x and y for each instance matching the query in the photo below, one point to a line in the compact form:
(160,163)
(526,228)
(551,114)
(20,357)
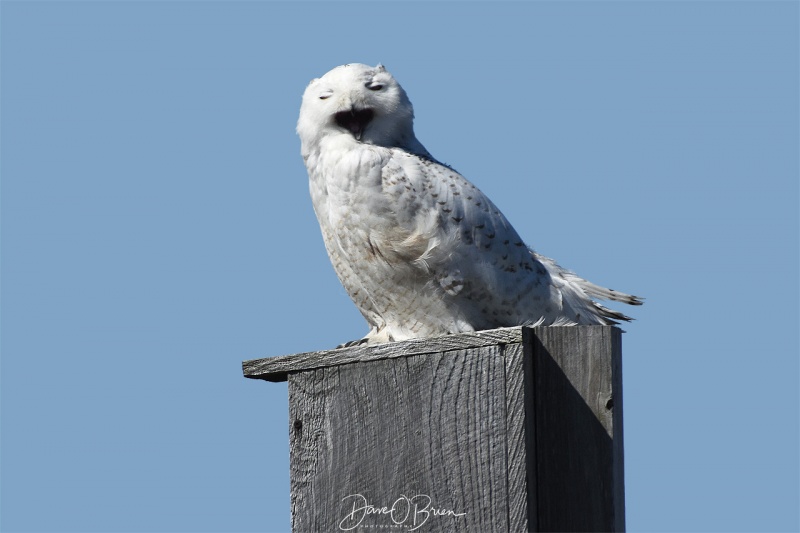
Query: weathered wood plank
(578,448)
(276,368)
(309,431)
(421,432)
(520,444)
(517,429)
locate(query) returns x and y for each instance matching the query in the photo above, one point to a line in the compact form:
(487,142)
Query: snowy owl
(419,249)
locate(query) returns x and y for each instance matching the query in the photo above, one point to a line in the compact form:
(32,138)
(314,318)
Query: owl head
(361,102)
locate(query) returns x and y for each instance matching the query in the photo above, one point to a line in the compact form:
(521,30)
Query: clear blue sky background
(157,230)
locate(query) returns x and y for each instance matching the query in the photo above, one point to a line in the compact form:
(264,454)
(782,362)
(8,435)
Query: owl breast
(377,239)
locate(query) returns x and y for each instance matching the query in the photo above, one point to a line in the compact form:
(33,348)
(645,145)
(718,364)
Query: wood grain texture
(520,432)
(577,391)
(276,368)
(431,428)
(518,429)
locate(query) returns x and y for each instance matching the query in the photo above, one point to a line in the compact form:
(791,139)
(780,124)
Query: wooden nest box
(513,429)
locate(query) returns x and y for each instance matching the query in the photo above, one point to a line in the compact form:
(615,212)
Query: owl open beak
(354,120)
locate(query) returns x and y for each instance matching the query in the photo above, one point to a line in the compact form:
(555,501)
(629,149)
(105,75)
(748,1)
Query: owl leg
(378,336)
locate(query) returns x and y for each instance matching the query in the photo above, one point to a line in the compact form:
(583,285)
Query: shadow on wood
(579,463)
(517,429)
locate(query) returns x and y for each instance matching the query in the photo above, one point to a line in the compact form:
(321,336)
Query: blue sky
(157,230)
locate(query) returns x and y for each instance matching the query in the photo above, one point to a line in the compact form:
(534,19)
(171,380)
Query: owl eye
(325,95)
(374,86)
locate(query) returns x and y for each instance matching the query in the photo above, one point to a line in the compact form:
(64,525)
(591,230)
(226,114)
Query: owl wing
(453,233)
(475,256)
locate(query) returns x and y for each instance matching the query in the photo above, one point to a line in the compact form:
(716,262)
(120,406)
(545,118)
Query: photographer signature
(411,512)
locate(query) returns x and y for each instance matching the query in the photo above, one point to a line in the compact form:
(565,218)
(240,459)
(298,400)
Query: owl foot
(357,342)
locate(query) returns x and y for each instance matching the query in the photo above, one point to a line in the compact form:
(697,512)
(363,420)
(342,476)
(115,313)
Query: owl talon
(357,342)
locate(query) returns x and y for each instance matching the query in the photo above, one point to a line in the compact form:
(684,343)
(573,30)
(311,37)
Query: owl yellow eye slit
(374,87)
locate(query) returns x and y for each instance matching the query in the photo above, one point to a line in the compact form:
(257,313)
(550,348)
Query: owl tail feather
(578,297)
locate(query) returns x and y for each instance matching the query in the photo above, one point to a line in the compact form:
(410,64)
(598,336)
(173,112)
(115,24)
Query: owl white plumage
(419,249)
